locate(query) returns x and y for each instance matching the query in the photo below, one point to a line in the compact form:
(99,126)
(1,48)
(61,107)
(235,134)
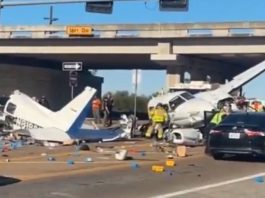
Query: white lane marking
(62,194)
(200,188)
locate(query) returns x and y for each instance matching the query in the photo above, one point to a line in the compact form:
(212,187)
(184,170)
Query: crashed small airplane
(65,125)
(186,111)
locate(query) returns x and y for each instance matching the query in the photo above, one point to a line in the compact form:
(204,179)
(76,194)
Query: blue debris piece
(259,179)
(13,145)
(19,144)
(142,153)
(169,172)
(70,162)
(135,165)
(50,158)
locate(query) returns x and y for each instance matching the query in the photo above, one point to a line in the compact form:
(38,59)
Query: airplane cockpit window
(187,95)
(174,103)
(3,101)
(11,108)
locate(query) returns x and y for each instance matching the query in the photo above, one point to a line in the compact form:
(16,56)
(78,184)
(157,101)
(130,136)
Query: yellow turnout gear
(158,117)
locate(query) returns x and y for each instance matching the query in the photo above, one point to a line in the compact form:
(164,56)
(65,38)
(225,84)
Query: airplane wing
(223,92)
(104,135)
(91,135)
(243,78)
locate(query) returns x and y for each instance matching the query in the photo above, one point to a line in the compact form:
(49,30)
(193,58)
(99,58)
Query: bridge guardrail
(140,30)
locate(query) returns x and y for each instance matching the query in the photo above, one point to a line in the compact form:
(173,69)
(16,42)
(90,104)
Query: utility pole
(50,18)
(136,79)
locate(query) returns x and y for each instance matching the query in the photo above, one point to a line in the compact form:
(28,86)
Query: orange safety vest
(96,104)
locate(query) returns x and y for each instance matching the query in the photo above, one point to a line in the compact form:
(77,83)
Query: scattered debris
(70,162)
(50,144)
(84,147)
(170,163)
(103,158)
(259,179)
(68,142)
(170,172)
(88,159)
(50,158)
(158,168)
(121,155)
(44,154)
(135,165)
(164,147)
(181,151)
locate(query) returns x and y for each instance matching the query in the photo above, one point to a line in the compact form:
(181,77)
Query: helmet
(159,105)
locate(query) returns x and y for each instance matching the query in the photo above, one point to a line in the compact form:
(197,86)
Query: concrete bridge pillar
(174,76)
(35,81)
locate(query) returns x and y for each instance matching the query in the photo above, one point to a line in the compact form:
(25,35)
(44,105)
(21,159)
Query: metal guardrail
(140,30)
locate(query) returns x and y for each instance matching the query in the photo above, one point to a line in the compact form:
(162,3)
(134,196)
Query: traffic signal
(104,7)
(1,4)
(173,5)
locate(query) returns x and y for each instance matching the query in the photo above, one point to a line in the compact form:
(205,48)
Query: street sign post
(73,81)
(72,68)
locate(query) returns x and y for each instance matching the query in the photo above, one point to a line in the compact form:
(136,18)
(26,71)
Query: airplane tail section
(72,116)
(243,78)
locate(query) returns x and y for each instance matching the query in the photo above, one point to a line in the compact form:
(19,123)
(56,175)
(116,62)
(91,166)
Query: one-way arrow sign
(72,66)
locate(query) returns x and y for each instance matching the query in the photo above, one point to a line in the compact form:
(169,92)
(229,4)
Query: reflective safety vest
(150,113)
(159,115)
(217,118)
(96,104)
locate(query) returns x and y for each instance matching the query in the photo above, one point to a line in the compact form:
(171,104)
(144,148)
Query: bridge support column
(174,76)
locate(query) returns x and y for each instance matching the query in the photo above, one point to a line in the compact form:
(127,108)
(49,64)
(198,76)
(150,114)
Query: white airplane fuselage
(187,110)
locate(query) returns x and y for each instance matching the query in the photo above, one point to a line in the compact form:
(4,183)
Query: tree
(124,102)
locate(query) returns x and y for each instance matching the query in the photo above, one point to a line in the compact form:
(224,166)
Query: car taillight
(251,133)
(215,132)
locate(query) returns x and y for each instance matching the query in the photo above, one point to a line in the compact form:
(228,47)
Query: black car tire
(218,156)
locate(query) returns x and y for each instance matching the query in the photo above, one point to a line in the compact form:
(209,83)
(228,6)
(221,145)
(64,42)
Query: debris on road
(135,165)
(121,155)
(170,163)
(158,168)
(50,158)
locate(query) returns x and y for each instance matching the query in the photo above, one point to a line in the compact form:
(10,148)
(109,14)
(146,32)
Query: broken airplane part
(23,113)
(188,111)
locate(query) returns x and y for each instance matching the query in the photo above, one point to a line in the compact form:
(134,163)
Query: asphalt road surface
(198,176)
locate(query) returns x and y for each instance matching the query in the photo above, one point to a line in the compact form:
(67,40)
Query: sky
(143,12)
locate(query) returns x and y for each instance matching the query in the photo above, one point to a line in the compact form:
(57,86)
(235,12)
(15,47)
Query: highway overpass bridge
(220,50)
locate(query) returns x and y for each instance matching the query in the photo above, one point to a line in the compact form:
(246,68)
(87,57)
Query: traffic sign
(79,30)
(72,66)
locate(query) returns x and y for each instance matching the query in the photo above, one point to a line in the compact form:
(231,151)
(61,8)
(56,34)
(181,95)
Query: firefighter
(158,117)
(216,119)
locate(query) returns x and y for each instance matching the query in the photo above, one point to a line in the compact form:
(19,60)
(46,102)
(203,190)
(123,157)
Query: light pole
(50,18)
